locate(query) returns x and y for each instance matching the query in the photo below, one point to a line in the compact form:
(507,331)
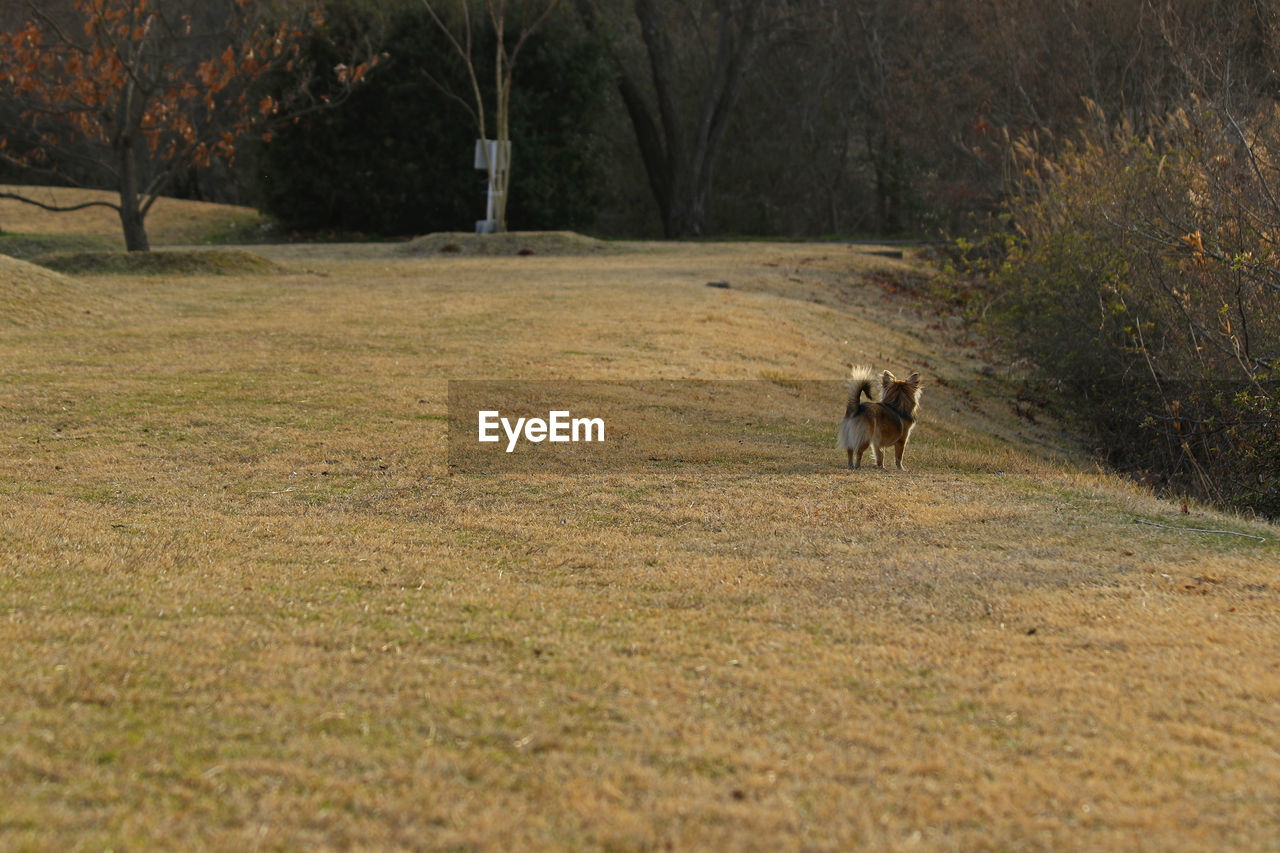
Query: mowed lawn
(244,604)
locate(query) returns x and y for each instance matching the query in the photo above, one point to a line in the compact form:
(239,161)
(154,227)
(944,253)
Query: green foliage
(397,157)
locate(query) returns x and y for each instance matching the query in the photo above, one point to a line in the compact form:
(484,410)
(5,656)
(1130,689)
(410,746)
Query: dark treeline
(397,158)
(771,117)
(765,117)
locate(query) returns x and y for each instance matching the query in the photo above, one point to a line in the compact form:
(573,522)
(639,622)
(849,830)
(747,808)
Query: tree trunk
(135,232)
(502,117)
(131,213)
(888,168)
(687,209)
(678,146)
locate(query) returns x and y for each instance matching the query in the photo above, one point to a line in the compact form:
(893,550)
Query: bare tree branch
(58,208)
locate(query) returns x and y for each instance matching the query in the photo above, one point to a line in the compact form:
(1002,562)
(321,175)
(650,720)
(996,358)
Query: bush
(396,158)
(1144,277)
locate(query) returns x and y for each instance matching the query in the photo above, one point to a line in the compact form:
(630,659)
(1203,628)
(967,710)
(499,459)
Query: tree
(316,172)
(680,100)
(139,91)
(532,13)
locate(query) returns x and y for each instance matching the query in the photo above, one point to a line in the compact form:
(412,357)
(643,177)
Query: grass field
(245,605)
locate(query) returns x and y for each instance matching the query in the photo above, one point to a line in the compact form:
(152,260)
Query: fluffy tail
(853,429)
(861,380)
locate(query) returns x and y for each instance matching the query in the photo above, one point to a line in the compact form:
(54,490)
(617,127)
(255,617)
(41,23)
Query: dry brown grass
(245,606)
(170,221)
(33,295)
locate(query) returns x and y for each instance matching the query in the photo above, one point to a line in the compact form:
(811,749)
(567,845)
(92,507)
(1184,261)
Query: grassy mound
(165,262)
(510,243)
(32,296)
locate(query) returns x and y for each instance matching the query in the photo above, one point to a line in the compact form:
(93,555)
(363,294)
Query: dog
(878,424)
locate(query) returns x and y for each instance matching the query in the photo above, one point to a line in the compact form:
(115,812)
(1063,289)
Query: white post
(494,161)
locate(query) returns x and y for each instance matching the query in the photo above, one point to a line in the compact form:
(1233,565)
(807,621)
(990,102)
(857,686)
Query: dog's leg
(861,450)
(879,455)
(850,452)
(899,449)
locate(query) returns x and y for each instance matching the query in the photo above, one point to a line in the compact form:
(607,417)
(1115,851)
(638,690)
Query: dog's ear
(914,381)
(886,379)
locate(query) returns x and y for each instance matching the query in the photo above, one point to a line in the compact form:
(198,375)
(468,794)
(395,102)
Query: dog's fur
(878,424)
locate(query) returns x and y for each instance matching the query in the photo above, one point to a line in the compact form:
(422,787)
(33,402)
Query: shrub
(1144,278)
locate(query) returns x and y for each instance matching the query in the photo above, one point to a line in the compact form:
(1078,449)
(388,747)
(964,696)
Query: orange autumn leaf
(1195,243)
